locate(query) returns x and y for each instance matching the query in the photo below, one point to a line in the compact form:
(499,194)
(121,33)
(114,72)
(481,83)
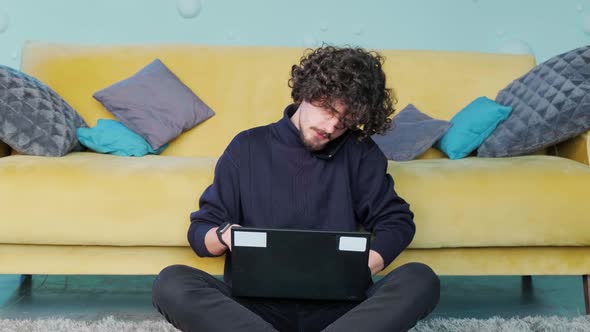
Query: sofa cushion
(155,104)
(34,119)
(486,202)
(111,200)
(551,104)
(110,136)
(471,126)
(91,198)
(411,134)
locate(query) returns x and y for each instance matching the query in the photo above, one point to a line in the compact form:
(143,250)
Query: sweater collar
(285,130)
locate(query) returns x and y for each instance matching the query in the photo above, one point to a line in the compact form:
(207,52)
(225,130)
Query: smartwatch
(222,229)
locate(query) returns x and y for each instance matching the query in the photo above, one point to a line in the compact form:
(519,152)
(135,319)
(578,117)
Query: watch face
(223,227)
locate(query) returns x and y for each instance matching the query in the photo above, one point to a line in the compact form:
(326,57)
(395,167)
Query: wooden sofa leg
(586,293)
(26,284)
(527,284)
(26,278)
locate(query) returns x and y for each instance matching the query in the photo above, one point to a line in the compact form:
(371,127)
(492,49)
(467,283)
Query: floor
(128,297)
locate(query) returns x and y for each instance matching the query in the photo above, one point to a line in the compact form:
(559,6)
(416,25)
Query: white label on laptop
(349,243)
(249,239)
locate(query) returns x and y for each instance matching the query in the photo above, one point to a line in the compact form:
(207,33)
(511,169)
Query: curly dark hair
(353,76)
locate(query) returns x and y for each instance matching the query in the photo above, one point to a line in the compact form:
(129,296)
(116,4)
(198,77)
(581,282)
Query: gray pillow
(551,103)
(34,119)
(411,134)
(155,104)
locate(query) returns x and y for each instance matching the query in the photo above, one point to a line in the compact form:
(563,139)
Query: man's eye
(341,124)
(346,125)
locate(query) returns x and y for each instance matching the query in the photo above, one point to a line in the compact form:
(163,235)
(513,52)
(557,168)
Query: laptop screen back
(300,264)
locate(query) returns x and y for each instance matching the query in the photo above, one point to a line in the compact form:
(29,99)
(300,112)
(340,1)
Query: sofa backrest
(247,86)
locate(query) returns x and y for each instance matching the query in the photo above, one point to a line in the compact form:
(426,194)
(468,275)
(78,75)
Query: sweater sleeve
(380,209)
(220,202)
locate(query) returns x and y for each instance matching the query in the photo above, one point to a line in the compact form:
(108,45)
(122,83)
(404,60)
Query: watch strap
(222,229)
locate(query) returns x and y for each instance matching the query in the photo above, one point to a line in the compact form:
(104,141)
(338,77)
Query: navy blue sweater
(267,178)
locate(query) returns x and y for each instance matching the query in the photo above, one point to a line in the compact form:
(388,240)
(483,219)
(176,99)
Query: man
(316,168)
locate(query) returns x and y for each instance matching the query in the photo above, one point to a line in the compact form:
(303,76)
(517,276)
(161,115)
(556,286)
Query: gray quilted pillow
(411,134)
(550,104)
(34,119)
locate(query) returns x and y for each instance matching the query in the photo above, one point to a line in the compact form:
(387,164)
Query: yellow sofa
(89,213)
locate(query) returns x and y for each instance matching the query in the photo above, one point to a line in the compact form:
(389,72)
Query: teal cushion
(471,126)
(110,136)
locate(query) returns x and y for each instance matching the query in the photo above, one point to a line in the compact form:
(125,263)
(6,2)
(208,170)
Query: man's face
(318,124)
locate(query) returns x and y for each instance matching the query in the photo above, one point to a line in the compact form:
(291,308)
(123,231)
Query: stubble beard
(310,144)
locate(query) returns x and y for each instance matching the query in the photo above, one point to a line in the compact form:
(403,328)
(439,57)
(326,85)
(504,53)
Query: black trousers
(193,300)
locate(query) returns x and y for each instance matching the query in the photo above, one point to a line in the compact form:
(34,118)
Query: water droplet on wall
(586,24)
(516,47)
(4,22)
(188,8)
(358,30)
(310,41)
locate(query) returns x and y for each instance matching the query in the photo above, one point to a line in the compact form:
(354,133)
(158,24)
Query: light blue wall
(545,27)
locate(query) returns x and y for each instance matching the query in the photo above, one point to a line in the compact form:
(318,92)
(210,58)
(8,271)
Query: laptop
(300,264)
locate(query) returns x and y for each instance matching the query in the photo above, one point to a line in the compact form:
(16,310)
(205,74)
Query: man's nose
(332,125)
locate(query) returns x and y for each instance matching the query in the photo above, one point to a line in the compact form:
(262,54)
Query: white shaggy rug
(526,324)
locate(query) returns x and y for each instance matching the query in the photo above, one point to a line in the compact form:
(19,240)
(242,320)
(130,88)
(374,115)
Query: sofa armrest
(4,149)
(577,148)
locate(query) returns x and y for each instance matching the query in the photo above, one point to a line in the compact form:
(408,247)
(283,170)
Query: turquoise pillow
(110,136)
(471,126)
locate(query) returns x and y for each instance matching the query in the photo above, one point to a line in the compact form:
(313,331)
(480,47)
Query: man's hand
(212,243)
(226,236)
(376,263)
